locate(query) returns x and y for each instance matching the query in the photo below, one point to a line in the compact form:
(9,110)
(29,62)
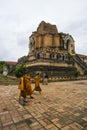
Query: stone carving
(37,55)
(43,54)
(5,70)
(31,44)
(68,43)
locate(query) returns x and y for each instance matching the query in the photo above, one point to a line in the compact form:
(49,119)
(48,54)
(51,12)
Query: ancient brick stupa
(52,52)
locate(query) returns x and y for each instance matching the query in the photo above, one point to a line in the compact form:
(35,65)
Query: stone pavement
(61,106)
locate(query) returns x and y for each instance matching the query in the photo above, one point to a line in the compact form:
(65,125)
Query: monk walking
(22,96)
(27,83)
(37,83)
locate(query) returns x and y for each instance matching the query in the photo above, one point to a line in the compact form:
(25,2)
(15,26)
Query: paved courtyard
(61,106)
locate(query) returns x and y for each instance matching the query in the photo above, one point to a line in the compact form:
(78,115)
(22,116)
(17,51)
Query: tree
(75,72)
(20,70)
(2,63)
(85,73)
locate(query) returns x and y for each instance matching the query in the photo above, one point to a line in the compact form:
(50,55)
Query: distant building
(11,62)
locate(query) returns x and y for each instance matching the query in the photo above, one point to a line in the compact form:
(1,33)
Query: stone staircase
(80,62)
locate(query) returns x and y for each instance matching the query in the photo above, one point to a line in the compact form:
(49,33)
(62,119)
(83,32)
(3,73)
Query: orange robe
(37,83)
(22,88)
(28,84)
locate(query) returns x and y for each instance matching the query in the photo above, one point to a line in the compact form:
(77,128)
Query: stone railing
(55,79)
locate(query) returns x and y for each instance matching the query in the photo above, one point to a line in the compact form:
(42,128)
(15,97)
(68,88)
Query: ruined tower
(52,52)
(49,51)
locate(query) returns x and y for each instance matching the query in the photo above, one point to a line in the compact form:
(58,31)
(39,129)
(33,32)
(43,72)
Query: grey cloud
(19,18)
(79,26)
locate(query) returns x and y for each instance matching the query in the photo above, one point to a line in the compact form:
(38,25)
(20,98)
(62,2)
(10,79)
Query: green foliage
(2,63)
(8,66)
(7,80)
(20,70)
(75,73)
(85,73)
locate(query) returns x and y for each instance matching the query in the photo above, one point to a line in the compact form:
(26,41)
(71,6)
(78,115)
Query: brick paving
(61,106)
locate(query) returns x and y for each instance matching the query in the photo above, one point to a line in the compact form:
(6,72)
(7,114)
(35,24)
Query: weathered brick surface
(60,106)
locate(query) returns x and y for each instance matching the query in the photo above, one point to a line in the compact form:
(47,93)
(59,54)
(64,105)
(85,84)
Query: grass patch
(5,80)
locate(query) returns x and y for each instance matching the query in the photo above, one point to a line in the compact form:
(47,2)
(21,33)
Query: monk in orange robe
(27,84)
(22,89)
(37,83)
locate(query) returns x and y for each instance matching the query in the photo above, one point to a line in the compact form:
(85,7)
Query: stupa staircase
(80,62)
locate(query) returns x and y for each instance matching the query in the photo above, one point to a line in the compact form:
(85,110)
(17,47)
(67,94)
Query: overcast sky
(19,18)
